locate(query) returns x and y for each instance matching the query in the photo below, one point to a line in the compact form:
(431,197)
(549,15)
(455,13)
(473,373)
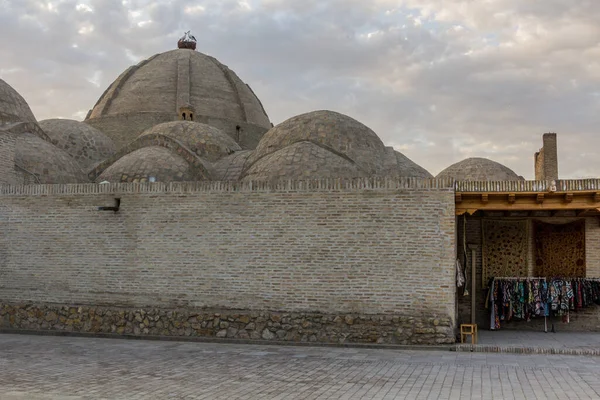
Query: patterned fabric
(526,298)
(560,249)
(504,248)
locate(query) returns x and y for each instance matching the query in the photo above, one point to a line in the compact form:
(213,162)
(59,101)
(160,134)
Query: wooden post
(474,288)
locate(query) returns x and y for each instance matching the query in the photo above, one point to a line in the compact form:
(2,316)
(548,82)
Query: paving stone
(48,367)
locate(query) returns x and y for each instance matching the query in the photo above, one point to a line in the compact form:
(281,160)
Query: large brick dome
(179,84)
(325,144)
(302,160)
(13,107)
(205,141)
(153,163)
(87,145)
(41,162)
(335,133)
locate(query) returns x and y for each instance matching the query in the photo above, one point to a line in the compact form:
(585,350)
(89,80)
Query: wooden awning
(582,196)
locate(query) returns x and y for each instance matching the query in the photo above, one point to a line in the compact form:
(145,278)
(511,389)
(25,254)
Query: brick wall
(364,247)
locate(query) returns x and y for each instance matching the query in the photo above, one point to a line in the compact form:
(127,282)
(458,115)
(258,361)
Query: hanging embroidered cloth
(504,250)
(460,277)
(560,249)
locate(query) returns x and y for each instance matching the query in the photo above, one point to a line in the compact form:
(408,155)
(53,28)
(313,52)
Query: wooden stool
(468,329)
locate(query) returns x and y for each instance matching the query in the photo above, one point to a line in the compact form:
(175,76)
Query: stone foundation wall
(230,324)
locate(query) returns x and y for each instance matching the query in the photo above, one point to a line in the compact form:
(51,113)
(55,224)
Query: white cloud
(84,8)
(195,9)
(440,80)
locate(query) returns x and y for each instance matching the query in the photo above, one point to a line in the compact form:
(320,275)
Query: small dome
(407,167)
(87,145)
(302,160)
(204,140)
(13,107)
(158,162)
(332,131)
(47,163)
(479,169)
(230,168)
(397,164)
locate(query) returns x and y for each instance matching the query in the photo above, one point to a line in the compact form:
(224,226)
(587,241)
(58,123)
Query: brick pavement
(47,367)
(559,340)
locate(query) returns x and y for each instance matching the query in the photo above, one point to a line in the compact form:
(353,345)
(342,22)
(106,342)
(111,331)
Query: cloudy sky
(440,80)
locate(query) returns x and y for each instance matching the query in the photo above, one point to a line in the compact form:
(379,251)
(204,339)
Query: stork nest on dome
(187,41)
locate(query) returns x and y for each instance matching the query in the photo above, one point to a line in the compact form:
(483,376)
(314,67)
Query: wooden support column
(473,249)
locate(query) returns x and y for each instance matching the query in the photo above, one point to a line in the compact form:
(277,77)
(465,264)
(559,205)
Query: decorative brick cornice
(317,185)
(565,185)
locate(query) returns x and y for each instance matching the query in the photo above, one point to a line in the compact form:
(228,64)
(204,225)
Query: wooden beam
(458,197)
(484,198)
(568,197)
(540,198)
(530,203)
(462,211)
(473,249)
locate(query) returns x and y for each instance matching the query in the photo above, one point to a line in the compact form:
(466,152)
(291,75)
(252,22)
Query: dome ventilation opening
(238,129)
(186,113)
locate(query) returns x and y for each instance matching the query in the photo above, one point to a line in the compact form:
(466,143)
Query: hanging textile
(560,249)
(526,298)
(460,278)
(504,248)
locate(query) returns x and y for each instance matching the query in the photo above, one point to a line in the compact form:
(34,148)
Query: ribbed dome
(13,107)
(204,140)
(158,162)
(87,145)
(171,86)
(302,160)
(44,162)
(334,132)
(479,169)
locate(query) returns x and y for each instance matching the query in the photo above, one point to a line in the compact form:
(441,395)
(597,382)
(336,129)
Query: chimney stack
(546,160)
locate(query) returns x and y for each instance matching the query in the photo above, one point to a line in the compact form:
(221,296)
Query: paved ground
(559,340)
(44,367)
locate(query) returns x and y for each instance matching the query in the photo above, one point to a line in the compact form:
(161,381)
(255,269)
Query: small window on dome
(183,116)
(191,117)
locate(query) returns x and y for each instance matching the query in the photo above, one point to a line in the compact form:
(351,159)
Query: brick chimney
(546,160)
